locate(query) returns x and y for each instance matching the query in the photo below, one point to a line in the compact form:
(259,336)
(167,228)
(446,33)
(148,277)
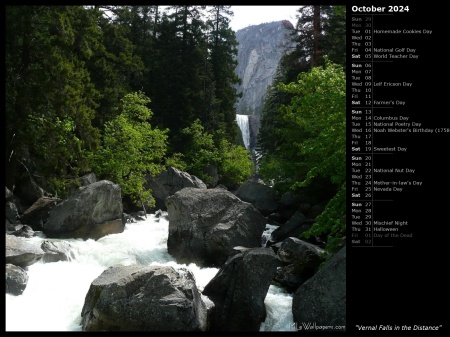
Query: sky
(245,16)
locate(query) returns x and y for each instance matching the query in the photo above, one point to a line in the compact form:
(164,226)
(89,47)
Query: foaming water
(55,293)
(279,311)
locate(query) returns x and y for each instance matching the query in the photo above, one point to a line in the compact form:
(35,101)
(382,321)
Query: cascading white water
(242,121)
(55,293)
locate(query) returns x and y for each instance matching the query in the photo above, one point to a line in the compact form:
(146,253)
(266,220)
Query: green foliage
(201,151)
(132,149)
(51,100)
(176,160)
(313,136)
(221,113)
(333,42)
(319,109)
(63,187)
(273,167)
(115,68)
(235,164)
(319,32)
(332,221)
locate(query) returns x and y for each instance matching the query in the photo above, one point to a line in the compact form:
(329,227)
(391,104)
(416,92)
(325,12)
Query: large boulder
(57,251)
(301,253)
(300,260)
(23,231)
(92,212)
(16,279)
(11,212)
(137,298)
(206,224)
(87,179)
(289,203)
(12,207)
(36,215)
(259,195)
(295,226)
(322,298)
(10,227)
(239,288)
(20,252)
(168,182)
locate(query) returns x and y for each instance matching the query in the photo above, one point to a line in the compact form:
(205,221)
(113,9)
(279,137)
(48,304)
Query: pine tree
(117,68)
(223,56)
(50,98)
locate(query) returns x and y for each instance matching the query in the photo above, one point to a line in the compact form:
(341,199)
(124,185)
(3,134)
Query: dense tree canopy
(50,98)
(71,69)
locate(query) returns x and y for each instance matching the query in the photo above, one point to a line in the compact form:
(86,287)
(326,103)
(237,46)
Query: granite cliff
(259,52)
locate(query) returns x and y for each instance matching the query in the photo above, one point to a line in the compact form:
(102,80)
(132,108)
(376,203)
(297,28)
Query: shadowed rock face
(322,298)
(92,212)
(168,182)
(239,288)
(254,124)
(37,214)
(259,52)
(300,260)
(206,224)
(259,195)
(137,298)
(16,279)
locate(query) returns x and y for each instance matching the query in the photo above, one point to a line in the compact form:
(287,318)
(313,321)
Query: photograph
(184,168)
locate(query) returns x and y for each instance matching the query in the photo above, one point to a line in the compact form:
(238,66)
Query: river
(55,293)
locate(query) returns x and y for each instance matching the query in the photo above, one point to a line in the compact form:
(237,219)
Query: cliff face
(259,52)
(253,126)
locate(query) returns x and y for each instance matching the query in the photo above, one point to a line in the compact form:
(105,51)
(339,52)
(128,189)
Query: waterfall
(242,121)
